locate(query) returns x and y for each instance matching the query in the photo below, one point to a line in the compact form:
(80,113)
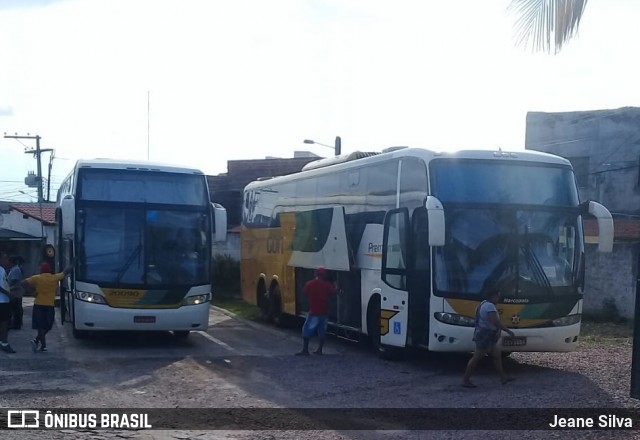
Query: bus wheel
(80,334)
(373,328)
(276,307)
(262,299)
(181,334)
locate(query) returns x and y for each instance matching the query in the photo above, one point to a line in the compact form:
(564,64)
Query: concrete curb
(252,324)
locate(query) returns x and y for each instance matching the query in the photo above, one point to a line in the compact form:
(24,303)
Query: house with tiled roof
(25,230)
(603,147)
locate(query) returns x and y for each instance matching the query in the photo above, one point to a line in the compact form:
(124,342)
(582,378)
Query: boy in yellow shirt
(44,285)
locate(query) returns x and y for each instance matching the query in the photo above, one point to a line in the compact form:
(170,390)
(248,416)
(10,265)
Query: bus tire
(275,300)
(373,328)
(262,300)
(181,334)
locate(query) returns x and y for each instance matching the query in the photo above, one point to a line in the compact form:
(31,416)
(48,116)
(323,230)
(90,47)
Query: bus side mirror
(219,222)
(435,215)
(605,224)
(68,216)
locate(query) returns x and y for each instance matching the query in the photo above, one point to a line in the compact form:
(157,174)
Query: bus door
(394,296)
(419,278)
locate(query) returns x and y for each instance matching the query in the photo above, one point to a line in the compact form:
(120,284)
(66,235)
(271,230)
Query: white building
(26,229)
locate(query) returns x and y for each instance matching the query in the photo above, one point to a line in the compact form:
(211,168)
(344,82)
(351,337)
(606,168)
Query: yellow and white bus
(415,237)
(141,237)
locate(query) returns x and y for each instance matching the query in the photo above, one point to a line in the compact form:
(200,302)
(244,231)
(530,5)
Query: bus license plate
(517,341)
(144,319)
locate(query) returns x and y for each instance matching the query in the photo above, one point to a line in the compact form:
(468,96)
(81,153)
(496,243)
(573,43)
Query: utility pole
(37,153)
(51,156)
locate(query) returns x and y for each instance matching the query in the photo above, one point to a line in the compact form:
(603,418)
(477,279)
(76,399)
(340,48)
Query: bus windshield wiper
(128,263)
(536,267)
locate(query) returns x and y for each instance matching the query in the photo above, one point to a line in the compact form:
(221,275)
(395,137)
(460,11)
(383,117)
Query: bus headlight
(453,319)
(90,297)
(195,300)
(566,320)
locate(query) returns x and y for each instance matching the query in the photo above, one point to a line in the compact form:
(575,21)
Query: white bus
(141,237)
(415,237)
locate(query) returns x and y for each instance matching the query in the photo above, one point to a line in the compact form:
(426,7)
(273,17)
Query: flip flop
(469,385)
(507,380)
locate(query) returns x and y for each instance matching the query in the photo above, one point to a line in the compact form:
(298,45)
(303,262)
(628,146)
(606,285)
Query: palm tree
(547,24)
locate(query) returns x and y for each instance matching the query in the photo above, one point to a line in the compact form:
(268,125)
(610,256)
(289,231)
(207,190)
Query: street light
(337,148)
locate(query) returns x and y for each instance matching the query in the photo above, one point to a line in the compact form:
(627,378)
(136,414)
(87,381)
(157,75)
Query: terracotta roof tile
(45,213)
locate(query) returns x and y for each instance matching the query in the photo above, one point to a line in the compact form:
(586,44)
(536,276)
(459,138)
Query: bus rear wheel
(275,307)
(262,299)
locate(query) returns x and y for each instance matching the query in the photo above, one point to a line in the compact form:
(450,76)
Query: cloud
(6,111)
(24,4)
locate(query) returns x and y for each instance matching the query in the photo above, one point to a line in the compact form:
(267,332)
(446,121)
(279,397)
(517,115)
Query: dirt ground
(244,364)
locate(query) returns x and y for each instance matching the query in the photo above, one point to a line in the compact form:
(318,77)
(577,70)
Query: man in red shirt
(318,292)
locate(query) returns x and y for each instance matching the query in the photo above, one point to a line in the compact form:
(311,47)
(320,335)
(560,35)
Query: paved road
(242,364)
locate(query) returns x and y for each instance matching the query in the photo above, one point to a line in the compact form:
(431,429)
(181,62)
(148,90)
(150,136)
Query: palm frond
(546,25)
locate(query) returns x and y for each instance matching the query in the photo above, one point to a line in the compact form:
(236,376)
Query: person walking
(44,285)
(318,291)
(5,306)
(487,333)
(14,278)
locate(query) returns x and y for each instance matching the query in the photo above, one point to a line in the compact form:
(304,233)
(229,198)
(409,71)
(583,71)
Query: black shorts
(5,312)
(42,318)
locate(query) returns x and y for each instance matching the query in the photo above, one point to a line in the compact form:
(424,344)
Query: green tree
(546,25)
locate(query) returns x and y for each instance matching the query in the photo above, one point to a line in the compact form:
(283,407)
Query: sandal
(507,380)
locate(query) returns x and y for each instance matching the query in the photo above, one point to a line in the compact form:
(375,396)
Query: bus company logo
(24,418)
(274,245)
(515,300)
(385,317)
(374,250)
(515,319)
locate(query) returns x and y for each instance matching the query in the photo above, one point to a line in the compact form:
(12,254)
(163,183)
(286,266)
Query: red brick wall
(226,189)
(623,228)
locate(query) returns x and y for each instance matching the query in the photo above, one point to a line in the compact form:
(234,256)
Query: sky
(201,82)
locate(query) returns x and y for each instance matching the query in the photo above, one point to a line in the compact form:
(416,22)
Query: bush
(226,273)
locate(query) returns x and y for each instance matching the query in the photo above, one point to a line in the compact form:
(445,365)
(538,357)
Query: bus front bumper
(460,339)
(102,317)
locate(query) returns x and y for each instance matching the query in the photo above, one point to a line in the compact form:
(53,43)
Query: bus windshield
(514,226)
(527,253)
(140,247)
(503,182)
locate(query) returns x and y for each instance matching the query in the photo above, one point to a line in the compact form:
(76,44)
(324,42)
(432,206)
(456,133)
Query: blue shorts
(42,317)
(315,324)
